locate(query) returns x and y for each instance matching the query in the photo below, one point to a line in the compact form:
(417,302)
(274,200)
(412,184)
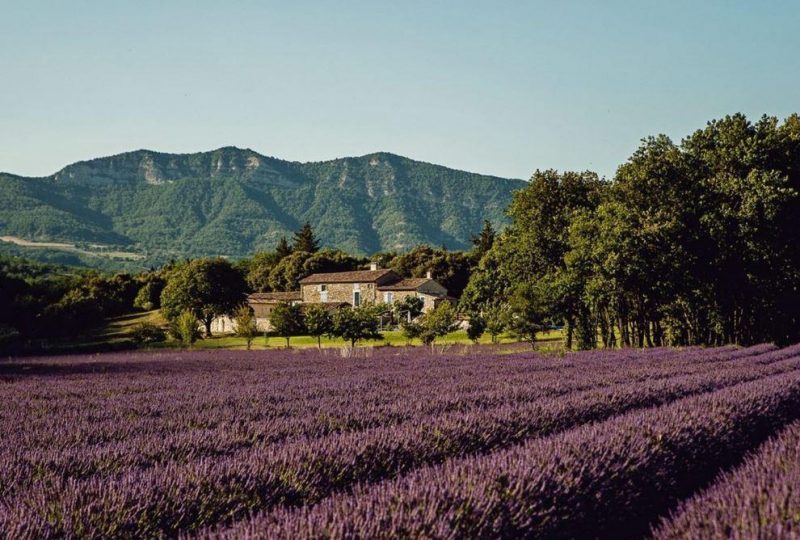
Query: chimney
(428,274)
(373,266)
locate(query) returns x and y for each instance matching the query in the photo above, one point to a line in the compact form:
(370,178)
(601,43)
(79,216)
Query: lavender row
(147,450)
(177,497)
(19,468)
(759,499)
(190,402)
(606,480)
(144,444)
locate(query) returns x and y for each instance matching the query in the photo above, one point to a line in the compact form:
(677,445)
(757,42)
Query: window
(357,287)
(356,298)
(388,297)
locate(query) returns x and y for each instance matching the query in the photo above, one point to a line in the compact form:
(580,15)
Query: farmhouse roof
(355,276)
(409,284)
(270,297)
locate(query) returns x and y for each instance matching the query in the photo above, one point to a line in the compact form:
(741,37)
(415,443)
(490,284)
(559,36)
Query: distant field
(396,442)
(98,250)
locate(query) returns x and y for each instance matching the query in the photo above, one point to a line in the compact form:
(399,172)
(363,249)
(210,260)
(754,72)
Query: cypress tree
(283,248)
(304,240)
(484,240)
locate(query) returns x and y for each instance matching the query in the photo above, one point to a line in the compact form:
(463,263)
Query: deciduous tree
(357,323)
(208,288)
(286,321)
(246,325)
(318,321)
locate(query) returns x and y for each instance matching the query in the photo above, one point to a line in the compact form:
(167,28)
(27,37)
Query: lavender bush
(608,480)
(760,499)
(153,444)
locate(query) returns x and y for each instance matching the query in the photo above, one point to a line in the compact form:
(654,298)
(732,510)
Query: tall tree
(304,240)
(537,239)
(450,268)
(283,249)
(259,269)
(483,241)
(208,288)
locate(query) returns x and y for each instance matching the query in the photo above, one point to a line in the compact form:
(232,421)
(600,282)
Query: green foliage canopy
(208,288)
(318,322)
(357,323)
(286,321)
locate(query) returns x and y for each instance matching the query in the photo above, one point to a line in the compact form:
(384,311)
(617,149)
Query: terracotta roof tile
(355,276)
(408,284)
(268,297)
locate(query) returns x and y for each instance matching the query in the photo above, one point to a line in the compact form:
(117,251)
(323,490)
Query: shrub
(495,322)
(146,332)
(148,297)
(411,330)
(476,328)
(185,328)
(246,325)
(439,322)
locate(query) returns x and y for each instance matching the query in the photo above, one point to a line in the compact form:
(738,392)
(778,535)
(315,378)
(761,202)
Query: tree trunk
(623,328)
(207,323)
(319,342)
(570,330)
(287,342)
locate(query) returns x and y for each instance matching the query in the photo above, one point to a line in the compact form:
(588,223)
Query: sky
(496,87)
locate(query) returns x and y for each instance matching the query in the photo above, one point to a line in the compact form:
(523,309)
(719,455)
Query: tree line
(690,243)
(52,304)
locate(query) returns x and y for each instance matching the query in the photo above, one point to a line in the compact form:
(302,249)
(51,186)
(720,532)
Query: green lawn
(115,333)
(118,329)
(392,337)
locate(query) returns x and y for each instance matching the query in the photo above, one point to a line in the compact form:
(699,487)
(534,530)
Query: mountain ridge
(233,201)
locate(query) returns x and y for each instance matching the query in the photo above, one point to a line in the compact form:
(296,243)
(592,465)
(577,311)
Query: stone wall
(341,292)
(226,325)
(428,300)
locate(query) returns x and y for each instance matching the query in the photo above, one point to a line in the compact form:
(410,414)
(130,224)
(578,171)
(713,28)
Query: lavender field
(659,443)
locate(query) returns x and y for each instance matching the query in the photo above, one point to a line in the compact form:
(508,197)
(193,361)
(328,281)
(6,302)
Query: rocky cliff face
(155,168)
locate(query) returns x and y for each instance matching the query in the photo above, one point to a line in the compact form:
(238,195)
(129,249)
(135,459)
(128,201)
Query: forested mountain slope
(232,201)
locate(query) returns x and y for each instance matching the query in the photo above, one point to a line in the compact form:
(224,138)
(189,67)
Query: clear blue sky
(498,87)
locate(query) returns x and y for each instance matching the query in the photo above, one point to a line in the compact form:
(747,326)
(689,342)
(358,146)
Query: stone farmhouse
(335,290)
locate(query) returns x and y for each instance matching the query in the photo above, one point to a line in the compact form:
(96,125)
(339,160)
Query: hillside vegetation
(232,202)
